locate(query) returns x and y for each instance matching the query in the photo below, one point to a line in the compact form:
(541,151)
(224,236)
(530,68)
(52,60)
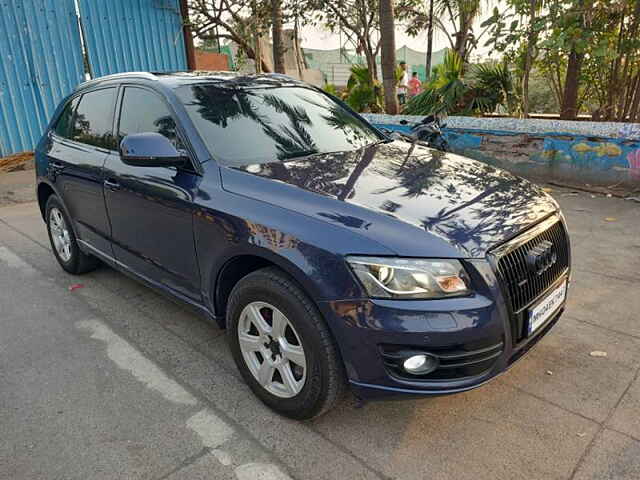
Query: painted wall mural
(574,157)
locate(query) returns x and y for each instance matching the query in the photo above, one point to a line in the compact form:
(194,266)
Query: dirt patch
(17,162)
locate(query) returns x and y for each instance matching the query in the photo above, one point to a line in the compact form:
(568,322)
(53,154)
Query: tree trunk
(462,37)
(278,47)
(371,64)
(528,60)
(429,42)
(569,109)
(388,44)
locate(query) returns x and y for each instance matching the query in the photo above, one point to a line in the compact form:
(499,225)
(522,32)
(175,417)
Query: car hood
(399,194)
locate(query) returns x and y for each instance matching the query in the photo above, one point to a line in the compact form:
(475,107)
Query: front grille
(453,362)
(523,285)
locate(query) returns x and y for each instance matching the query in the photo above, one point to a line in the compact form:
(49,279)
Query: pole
(188,38)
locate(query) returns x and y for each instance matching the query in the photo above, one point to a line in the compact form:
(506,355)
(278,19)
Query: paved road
(113,381)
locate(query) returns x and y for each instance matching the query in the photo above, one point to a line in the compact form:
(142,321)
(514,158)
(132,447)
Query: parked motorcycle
(428,131)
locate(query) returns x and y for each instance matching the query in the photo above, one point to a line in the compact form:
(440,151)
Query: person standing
(415,85)
(403,84)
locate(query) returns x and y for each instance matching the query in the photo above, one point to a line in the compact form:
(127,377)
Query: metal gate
(42,61)
(133,35)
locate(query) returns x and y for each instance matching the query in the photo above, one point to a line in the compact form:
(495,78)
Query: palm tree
(388,45)
(429,42)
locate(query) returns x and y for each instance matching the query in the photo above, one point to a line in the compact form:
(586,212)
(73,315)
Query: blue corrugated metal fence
(41,54)
(130,35)
(40,63)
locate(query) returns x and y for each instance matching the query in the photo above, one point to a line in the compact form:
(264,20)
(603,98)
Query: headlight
(410,278)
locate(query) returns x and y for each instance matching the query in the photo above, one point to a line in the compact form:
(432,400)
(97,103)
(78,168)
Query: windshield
(261,125)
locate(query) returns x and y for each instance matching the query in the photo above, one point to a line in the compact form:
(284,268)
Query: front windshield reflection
(261,125)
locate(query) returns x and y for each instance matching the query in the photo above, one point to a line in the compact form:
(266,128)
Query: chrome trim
(523,237)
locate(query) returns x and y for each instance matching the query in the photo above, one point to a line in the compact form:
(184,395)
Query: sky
(315,37)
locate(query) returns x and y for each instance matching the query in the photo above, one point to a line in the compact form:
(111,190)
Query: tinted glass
(63,127)
(93,119)
(143,111)
(247,126)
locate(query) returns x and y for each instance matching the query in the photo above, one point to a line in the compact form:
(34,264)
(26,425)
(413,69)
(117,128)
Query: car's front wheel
(282,346)
(63,240)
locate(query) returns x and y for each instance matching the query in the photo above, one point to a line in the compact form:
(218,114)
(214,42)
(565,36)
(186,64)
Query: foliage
(454,19)
(483,90)
(363,94)
(495,82)
(588,51)
(331,89)
(357,20)
(236,20)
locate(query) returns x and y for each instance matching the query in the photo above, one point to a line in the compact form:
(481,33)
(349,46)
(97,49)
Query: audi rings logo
(541,257)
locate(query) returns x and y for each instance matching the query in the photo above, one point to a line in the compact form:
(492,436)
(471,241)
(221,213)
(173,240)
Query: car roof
(176,79)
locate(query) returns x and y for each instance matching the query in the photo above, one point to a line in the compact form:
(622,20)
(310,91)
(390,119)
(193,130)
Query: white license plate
(539,314)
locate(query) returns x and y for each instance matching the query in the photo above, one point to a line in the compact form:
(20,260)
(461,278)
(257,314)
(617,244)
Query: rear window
(93,119)
(63,127)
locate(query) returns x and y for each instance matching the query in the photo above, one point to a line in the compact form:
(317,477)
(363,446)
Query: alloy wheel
(60,234)
(272,349)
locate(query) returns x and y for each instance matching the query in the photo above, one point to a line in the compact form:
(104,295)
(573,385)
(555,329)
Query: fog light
(420,364)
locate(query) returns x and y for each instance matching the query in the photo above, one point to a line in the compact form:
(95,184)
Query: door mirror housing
(150,150)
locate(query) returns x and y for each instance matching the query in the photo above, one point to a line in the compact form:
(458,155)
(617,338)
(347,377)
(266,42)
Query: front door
(151,208)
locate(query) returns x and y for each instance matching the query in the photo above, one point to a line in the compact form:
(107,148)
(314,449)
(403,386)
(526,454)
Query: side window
(143,111)
(92,123)
(63,126)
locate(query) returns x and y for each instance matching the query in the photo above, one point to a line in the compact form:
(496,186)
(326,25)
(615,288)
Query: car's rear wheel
(282,346)
(63,241)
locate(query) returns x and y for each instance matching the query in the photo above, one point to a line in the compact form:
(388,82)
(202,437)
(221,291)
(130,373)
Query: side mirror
(150,150)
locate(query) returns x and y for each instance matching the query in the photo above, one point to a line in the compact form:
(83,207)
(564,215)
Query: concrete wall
(597,153)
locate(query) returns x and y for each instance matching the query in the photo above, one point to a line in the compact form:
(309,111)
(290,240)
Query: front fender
(311,251)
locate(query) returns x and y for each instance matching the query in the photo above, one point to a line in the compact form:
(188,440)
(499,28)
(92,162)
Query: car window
(63,126)
(93,120)
(143,111)
(282,123)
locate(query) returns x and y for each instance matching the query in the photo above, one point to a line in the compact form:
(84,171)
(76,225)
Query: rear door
(151,208)
(80,143)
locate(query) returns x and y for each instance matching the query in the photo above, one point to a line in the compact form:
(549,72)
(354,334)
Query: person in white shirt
(403,85)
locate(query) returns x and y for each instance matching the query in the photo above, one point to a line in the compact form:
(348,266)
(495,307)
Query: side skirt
(167,292)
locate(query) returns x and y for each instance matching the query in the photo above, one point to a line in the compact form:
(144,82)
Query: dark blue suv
(333,255)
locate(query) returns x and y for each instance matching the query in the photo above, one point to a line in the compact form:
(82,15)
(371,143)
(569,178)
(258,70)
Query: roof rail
(147,75)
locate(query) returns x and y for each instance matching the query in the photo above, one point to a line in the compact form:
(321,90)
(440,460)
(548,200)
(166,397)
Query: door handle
(57,165)
(111,184)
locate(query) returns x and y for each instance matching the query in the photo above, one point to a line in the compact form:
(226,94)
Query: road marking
(14,261)
(260,471)
(128,358)
(212,430)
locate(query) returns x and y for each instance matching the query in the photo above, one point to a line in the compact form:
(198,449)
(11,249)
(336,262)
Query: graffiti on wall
(573,155)
(634,163)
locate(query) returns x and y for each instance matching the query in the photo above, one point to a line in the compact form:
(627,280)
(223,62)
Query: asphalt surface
(107,379)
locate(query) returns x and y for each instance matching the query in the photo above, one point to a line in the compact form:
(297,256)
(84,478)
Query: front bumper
(475,328)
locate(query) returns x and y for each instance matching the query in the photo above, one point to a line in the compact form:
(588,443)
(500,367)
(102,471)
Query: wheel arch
(44,191)
(240,265)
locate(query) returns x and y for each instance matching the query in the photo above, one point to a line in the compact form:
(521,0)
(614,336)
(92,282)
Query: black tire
(325,379)
(79,262)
